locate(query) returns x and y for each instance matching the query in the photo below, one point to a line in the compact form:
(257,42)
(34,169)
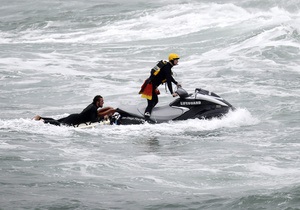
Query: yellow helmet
(173,56)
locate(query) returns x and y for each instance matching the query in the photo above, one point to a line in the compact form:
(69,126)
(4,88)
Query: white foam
(34,127)
(151,24)
(238,118)
(263,168)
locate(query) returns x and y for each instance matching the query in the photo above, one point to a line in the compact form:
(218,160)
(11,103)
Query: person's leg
(149,107)
(52,121)
(72,119)
(151,104)
(155,100)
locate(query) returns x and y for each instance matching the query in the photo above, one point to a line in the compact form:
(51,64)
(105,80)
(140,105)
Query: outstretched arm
(106,112)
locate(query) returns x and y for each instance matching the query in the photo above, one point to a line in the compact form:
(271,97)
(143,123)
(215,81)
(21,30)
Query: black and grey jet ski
(201,104)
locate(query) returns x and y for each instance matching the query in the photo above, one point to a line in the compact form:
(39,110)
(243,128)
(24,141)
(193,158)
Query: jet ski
(201,104)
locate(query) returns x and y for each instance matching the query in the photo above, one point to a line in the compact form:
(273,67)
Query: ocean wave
(169,21)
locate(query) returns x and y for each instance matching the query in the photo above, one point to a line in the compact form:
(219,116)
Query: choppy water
(55,56)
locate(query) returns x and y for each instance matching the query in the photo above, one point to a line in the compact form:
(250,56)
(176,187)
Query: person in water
(92,113)
(162,73)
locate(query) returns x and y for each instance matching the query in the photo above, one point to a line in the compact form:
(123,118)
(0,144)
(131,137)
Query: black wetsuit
(164,75)
(89,114)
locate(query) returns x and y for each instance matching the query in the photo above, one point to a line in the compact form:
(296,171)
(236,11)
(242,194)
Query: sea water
(55,56)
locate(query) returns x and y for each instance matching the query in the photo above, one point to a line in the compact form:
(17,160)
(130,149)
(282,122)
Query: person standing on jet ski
(161,73)
(89,114)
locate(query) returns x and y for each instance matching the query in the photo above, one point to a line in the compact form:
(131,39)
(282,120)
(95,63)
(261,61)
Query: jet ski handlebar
(182,92)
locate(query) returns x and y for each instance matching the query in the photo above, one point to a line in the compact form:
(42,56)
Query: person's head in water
(173,59)
(98,101)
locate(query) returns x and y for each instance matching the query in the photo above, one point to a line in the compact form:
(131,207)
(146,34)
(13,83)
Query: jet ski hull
(200,105)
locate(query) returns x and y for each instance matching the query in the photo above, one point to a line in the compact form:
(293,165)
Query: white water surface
(57,55)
